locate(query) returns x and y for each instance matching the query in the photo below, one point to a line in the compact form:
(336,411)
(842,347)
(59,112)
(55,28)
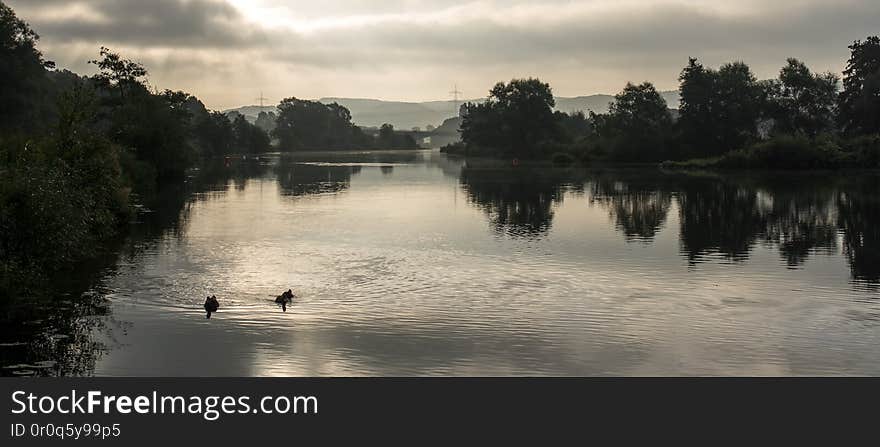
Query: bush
(862,151)
(60,199)
(786,152)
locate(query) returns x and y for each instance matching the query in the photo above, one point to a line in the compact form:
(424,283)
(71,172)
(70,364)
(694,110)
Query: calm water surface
(411,263)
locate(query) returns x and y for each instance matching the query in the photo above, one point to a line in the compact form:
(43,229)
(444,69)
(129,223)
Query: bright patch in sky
(227,51)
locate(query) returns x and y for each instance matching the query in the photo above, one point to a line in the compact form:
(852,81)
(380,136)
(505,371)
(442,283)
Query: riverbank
(55,314)
(557,155)
(788,153)
(795,153)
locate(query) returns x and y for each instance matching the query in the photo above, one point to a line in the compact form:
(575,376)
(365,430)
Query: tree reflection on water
(63,325)
(719,215)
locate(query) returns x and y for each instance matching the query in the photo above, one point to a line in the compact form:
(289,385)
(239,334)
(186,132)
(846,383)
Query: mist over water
(412,263)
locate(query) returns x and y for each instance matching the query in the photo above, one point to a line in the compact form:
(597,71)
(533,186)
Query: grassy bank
(794,153)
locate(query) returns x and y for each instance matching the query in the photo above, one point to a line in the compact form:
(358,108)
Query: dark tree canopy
(720,109)
(639,108)
(516,117)
(306,124)
(573,126)
(116,72)
(637,123)
(24,85)
(311,125)
(389,139)
(860,99)
(248,138)
(802,102)
(214,133)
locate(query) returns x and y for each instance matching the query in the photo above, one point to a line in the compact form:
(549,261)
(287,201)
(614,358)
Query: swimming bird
(211,305)
(284,299)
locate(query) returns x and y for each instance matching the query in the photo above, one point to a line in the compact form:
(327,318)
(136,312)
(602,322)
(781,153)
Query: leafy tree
(120,74)
(247,137)
(214,133)
(482,126)
(389,139)
(386,134)
(303,124)
(639,108)
(60,195)
(573,126)
(860,99)
(23,79)
(526,107)
(803,102)
(638,121)
(156,127)
(696,90)
(515,118)
(720,110)
(737,107)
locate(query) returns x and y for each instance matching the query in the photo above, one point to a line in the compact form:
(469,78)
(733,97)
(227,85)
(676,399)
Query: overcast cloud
(227,51)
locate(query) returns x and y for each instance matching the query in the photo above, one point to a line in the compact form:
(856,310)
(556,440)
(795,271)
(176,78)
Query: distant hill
(599,103)
(407,115)
(403,115)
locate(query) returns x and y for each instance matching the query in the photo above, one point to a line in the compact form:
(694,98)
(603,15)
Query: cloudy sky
(227,51)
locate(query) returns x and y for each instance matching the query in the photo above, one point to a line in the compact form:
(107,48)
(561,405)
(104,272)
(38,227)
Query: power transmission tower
(261,99)
(455,92)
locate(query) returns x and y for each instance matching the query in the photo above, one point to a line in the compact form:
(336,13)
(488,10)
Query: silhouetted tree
(214,132)
(23,79)
(803,102)
(516,117)
(482,127)
(637,123)
(573,126)
(157,127)
(305,124)
(248,138)
(720,110)
(120,74)
(860,99)
(389,139)
(386,135)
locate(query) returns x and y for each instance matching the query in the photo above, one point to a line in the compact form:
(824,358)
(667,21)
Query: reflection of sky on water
(431,269)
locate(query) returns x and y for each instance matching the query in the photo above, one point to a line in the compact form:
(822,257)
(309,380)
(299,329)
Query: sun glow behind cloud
(226,51)
(260,14)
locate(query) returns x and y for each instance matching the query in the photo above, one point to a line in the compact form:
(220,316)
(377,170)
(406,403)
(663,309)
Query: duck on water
(211,305)
(284,299)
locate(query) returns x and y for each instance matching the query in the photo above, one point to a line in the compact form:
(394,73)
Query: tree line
(311,125)
(727,117)
(76,152)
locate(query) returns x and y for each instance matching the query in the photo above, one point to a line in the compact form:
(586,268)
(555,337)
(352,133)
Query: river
(412,263)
